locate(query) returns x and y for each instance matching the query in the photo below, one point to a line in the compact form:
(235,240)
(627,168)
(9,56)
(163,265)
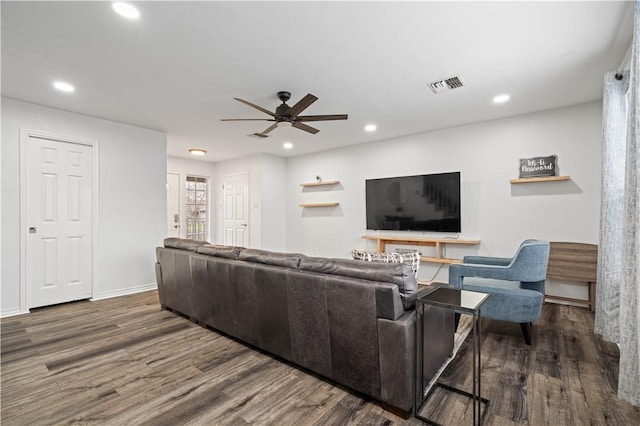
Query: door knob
(32,230)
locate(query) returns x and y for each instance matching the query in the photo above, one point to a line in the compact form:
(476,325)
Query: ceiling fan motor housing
(282,110)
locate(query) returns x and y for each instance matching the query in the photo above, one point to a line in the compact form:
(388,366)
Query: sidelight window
(197,207)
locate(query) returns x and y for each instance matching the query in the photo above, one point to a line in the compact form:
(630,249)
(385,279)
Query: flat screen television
(414,203)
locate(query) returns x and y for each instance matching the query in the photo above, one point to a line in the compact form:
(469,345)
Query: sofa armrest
(484,260)
(396,342)
(460,270)
(388,301)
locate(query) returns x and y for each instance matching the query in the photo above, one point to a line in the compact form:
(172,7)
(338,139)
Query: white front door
(235,189)
(59,220)
(173,205)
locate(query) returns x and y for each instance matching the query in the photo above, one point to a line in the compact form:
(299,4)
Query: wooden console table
(438,243)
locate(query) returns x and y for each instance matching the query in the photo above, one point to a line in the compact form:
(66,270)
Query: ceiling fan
(288,116)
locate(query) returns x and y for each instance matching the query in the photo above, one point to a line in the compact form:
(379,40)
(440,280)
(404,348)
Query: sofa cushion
(508,300)
(288,260)
(228,252)
(395,273)
(184,243)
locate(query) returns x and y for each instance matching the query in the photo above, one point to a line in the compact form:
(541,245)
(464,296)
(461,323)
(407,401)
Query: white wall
(274,206)
(498,213)
(132,197)
(184,167)
(267,213)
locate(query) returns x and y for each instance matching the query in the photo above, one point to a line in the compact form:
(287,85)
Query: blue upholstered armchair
(516,284)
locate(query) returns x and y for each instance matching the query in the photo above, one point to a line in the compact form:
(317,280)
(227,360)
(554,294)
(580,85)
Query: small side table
(462,301)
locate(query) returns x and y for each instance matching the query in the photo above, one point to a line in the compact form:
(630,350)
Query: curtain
(618,288)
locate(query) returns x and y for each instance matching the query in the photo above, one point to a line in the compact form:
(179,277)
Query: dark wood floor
(124,361)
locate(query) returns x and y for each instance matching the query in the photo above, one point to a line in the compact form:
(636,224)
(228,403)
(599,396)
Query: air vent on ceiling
(447,83)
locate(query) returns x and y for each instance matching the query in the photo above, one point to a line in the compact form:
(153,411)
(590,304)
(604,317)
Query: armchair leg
(526,332)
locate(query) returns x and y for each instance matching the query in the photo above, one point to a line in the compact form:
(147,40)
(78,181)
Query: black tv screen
(414,203)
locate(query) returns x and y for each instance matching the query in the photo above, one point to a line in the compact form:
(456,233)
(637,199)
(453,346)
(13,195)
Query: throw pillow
(409,257)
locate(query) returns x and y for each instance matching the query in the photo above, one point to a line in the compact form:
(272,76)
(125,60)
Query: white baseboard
(106,295)
(12,312)
(125,291)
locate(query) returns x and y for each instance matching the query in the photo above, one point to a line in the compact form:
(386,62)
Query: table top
(449,297)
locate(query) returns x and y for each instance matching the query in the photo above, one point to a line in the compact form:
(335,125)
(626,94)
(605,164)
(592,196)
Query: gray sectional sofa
(350,321)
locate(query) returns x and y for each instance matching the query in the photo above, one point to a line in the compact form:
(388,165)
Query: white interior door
(235,205)
(59,220)
(173,205)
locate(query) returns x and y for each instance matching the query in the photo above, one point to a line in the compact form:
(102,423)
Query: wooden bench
(576,262)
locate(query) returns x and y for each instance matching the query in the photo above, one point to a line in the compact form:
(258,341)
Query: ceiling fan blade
(302,126)
(322,117)
(246,119)
(302,105)
(268,129)
(259,108)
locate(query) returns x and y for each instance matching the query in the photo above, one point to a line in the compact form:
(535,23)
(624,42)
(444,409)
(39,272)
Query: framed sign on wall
(538,166)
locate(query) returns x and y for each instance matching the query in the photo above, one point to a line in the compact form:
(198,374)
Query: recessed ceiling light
(501,98)
(197,151)
(370,128)
(63,87)
(126,10)
(287,145)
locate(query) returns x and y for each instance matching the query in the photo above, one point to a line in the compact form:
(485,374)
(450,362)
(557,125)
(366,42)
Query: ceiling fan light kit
(286,116)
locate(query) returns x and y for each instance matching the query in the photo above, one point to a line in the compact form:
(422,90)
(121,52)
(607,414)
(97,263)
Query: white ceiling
(178,68)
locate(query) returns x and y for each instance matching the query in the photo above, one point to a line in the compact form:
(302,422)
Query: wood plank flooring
(124,361)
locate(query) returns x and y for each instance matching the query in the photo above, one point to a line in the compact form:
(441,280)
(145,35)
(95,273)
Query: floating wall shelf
(329,182)
(321,183)
(437,243)
(319,204)
(540,179)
